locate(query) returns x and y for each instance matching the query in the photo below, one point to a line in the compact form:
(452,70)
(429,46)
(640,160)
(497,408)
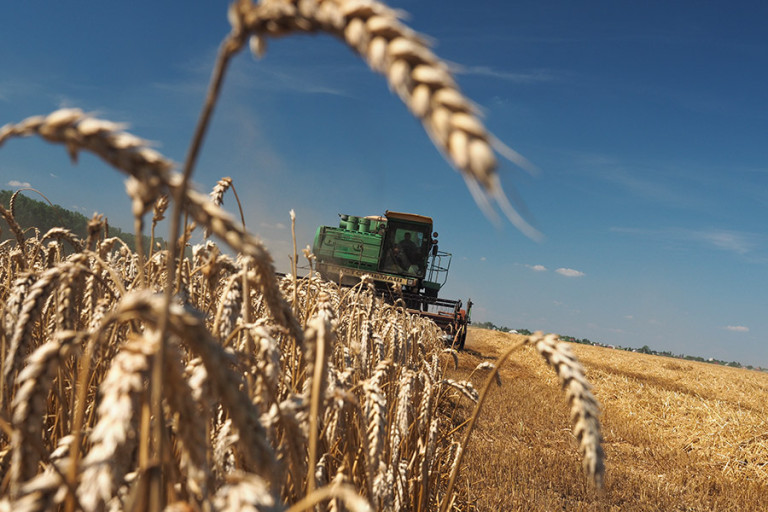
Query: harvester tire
(462,337)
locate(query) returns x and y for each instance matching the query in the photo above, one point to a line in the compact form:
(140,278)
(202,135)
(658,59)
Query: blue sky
(648,120)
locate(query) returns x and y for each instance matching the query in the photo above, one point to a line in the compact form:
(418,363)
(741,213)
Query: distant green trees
(491,326)
(31,213)
(582,341)
(494,327)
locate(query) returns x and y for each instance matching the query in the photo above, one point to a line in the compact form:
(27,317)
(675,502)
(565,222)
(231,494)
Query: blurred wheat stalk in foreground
(136,380)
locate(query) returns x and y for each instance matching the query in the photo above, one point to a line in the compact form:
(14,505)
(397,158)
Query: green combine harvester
(399,252)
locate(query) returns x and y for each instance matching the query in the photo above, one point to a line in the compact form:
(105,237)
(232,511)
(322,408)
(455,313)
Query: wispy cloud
(739,242)
(295,80)
(537,268)
(737,328)
(569,272)
(644,187)
(734,241)
(19,184)
(192,87)
(274,79)
(276,225)
(532,77)
(657,182)
(10,90)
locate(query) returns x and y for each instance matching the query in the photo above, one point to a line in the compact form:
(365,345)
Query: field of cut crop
(678,435)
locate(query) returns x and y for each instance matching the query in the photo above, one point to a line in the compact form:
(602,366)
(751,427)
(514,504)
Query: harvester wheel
(462,337)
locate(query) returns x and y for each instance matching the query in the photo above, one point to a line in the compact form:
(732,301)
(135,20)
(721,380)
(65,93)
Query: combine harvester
(399,252)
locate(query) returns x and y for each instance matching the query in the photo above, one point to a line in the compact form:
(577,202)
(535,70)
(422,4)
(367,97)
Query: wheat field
(346,402)
(192,377)
(679,435)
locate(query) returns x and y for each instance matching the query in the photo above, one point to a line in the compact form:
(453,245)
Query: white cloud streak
(737,328)
(276,225)
(534,77)
(734,241)
(537,268)
(569,272)
(19,184)
(739,242)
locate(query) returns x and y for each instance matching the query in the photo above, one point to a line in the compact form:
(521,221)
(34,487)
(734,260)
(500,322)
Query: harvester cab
(399,252)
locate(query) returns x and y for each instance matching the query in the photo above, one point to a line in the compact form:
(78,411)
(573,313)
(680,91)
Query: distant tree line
(31,213)
(494,327)
(645,349)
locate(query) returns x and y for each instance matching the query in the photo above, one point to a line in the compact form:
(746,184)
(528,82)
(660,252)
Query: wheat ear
(30,406)
(422,80)
(17,231)
(584,407)
(152,177)
(245,491)
(190,328)
(44,492)
(30,310)
(64,234)
(189,423)
(346,493)
(114,434)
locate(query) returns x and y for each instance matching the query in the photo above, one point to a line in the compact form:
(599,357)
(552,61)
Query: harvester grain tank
(400,253)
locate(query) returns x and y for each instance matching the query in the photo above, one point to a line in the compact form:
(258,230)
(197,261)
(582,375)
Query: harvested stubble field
(678,435)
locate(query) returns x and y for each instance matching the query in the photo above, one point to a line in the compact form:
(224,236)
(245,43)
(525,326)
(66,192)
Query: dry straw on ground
(146,380)
(679,435)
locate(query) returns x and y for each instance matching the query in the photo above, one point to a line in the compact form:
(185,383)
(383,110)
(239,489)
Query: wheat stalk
(15,228)
(190,419)
(319,339)
(422,80)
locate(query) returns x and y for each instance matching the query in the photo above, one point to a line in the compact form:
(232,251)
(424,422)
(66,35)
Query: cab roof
(409,217)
